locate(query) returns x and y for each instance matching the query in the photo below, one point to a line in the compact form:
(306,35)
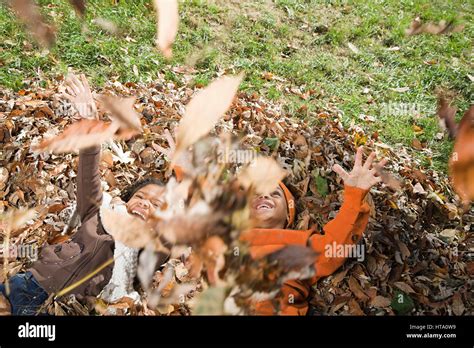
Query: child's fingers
(70,91)
(369,161)
(69,97)
(78,84)
(382,163)
(358,157)
(170,140)
(340,171)
(85,83)
(160,149)
(71,84)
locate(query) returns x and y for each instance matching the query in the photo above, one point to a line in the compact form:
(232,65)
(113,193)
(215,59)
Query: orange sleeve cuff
(354,197)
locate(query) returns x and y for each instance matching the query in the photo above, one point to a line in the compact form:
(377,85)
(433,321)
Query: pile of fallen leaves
(417,244)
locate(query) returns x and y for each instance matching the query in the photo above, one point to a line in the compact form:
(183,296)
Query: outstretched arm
(89,193)
(346,229)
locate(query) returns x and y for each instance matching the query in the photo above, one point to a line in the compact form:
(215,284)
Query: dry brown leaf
(194,266)
(380,302)
(446,115)
(5,308)
(387,178)
(16,219)
(127,229)
(293,257)
(28,12)
(263,174)
(79,135)
(354,308)
(357,289)
(404,287)
(79,6)
(204,110)
(167,24)
(443,27)
(123,112)
(457,304)
(106,25)
(461,163)
(212,253)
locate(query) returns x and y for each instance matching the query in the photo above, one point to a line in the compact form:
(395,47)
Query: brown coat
(61,265)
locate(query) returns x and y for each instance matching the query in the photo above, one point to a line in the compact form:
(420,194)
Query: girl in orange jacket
(271,213)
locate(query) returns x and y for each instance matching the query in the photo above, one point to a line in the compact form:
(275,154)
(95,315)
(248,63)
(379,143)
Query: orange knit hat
(290,202)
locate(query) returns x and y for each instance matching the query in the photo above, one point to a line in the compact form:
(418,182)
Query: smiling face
(145,201)
(269,211)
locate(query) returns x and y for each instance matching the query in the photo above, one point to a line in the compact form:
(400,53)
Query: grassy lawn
(351,54)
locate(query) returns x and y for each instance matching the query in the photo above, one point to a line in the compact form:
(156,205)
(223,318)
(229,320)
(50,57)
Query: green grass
(303,43)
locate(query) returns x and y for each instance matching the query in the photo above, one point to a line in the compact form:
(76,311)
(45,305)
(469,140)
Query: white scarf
(125,264)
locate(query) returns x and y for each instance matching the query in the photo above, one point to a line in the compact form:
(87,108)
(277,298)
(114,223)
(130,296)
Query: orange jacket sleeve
(345,229)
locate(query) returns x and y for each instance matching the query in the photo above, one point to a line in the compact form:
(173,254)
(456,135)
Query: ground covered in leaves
(417,243)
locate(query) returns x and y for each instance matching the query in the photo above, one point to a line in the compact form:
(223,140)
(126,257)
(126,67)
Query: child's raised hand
(79,94)
(363,176)
(172,146)
(184,160)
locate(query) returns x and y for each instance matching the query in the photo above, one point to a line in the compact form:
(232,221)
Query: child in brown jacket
(60,265)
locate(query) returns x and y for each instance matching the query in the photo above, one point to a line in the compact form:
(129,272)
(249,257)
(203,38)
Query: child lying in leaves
(61,265)
(271,214)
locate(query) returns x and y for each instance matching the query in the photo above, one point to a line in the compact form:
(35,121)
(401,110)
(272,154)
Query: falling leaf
(79,135)
(443,27)
(204,110)
(17,218)
(128,229)
(461,163)
(122,110)
(106,25)
(446,115)
(387,178)
(167,24)
(79,6)
(29,14)
(146,266)
(263,174)
(212,252)
(293,257)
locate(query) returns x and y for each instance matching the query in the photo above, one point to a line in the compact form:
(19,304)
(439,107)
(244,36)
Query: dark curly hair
(130,190)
